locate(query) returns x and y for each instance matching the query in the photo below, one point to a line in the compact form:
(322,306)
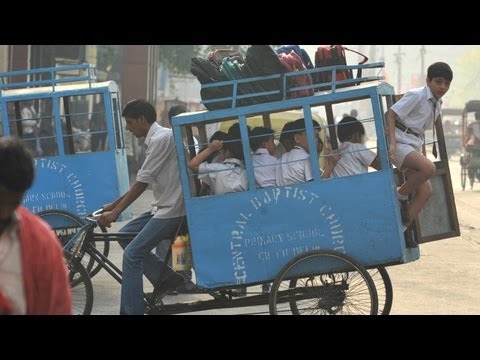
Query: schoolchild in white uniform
(228,176)
(356,157)
(407,121)
(295,166)
(286,140)
(264,163)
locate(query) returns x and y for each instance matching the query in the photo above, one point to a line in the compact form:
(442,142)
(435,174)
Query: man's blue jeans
(138,258)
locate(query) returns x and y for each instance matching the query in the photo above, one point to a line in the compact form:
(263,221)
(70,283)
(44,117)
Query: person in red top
(33,275)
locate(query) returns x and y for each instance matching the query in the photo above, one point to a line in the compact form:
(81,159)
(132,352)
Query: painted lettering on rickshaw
(238,261)
(57,199)
(336,230)
(52,195)
(50,164)
(288,192)
(283,237)
(291,240)
(76,185)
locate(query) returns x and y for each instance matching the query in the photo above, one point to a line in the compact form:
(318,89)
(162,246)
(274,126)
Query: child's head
(300,134)
(262,138)
(217,135)
(440,69)
(232,146)
(176,110)
(350,129)
(439,76)
(286,136)
(235,129)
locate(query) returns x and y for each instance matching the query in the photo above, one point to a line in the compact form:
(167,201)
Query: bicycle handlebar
(95,215)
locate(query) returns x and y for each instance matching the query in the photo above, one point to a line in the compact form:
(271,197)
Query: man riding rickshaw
(470,160)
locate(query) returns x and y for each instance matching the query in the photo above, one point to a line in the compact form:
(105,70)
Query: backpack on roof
(234,68)
(287,49)
(207,72)
(217,56)
(262,60)
(332,55)
(292,62)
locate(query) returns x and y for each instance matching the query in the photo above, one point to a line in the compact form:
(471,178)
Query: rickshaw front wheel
(80,284)
(65,224)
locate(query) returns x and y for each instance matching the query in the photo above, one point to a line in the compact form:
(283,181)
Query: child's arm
(194,163)
(332,159)
(376,163)
(392,141)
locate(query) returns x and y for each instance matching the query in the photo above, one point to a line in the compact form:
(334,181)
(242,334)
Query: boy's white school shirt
(228,176)
(356,158)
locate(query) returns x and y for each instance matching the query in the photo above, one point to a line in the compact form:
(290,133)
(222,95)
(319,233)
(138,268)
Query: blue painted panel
(248,237)
(79,183)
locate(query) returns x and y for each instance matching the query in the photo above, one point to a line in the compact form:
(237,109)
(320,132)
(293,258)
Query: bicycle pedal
(150,300)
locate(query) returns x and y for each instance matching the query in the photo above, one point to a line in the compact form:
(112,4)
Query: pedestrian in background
(33,274)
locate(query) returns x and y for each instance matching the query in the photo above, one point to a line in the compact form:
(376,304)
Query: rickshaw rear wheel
(384,288)
(383,285)
(323,282)
(61,221)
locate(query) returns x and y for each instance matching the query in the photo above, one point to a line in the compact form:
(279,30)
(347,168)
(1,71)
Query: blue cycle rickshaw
(470,157)
(72,124)
(319,241)
(77,136)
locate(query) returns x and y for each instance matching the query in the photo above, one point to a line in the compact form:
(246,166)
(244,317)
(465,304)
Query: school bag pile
(261,60)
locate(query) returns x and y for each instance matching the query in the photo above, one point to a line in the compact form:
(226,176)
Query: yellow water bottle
(188,252)
(179,254)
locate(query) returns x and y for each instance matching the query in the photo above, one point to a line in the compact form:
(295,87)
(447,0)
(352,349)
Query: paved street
(445,280)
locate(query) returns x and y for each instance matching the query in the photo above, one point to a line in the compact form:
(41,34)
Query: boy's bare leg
(420,169)
(421,196)
(423,170)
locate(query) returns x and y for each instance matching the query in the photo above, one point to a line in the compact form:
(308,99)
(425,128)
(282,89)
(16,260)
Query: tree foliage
(177,58)
(107,56)
(466,79)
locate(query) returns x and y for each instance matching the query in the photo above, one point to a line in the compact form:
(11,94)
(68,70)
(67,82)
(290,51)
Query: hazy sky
(463,87)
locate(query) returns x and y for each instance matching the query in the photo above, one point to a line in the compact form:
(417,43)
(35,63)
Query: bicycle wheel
(471,176)
(81,286)
(65,225)
(383,284)
(463,176)
(323,282)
